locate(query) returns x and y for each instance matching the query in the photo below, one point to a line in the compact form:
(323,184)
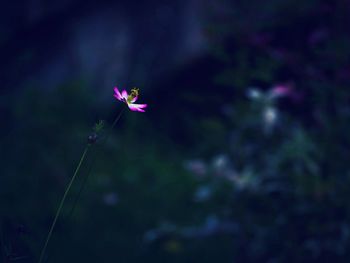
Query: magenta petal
(140,106)
(137,107)
(117,94)
(125,94)
(281,90)
(117,97)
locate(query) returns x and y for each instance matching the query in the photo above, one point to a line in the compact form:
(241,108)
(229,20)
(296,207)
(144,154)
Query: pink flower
(286,90)
(280,91)
(129,99)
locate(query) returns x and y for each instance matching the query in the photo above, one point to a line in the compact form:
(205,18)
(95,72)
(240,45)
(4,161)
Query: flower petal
(117,94)
(117,97)
(137,107)
(125,94)
(141,106)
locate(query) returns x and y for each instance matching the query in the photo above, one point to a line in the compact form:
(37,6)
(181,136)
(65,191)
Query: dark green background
(288,199)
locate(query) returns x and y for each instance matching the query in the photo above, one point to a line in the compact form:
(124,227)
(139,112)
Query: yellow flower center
(133,94)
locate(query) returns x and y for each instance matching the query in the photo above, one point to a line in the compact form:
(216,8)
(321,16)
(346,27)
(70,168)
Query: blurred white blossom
(254,93)
(270,116)
(220,162)
(222,167)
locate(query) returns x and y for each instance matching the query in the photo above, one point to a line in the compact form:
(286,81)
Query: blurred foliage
(211,173)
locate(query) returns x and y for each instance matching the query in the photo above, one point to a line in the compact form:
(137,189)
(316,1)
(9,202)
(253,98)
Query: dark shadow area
(242,153)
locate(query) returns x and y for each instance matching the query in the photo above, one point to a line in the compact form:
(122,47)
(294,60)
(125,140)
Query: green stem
(114,123)
(93,162)
(61,204)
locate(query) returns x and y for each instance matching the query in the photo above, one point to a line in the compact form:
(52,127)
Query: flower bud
(92,138)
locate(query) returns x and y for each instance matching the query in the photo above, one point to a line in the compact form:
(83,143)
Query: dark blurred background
(242,155)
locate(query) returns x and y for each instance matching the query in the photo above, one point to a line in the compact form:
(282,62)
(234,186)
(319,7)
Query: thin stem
(93,162)
(94,158)
(114,123)
(61,204)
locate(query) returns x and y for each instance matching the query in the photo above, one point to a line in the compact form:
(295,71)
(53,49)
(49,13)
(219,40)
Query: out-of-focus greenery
(206,175)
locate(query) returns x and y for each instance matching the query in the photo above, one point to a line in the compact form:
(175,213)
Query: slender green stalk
(61,204)
(93,162)
(81,187)
(114,123)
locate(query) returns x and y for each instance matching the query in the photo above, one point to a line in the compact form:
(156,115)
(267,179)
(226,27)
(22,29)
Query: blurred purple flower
(129,99)
(197,167)
(277,91)
(285,90)
(281,90)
